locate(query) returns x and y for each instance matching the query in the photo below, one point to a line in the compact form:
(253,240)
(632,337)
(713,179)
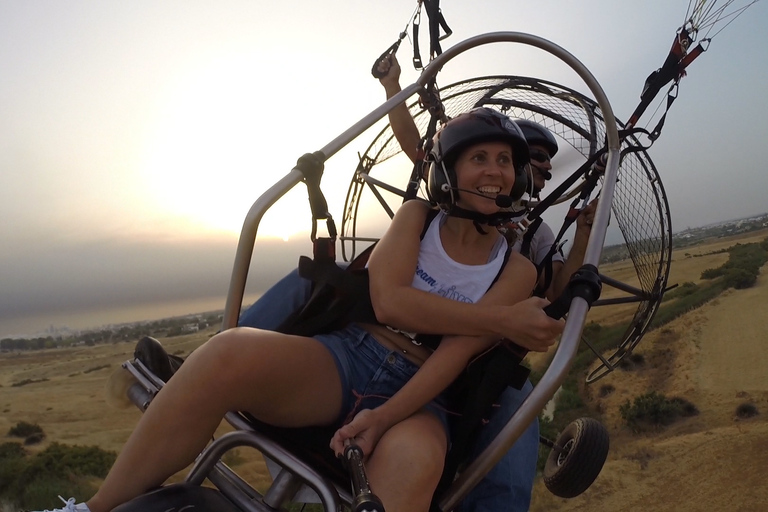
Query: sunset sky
(134,136)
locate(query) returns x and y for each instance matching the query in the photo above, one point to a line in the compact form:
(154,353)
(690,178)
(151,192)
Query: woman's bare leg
(405,467)
(284,380)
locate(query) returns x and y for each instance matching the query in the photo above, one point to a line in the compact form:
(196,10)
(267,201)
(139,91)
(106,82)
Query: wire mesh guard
(640,207)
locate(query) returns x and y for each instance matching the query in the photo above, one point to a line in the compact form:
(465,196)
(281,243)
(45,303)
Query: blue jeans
(371,374)
(507,487)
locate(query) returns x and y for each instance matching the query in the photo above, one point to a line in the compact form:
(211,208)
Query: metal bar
(566,351)
(223,472)
(359,238)
(528,411)
(386,186)
(235,494)
(245,245)
(624,287)
(366,122)
(618,300)
(382,202)
(207,460)
(244,251)
(284,487)
(240,423)
(139,396)
(147,384)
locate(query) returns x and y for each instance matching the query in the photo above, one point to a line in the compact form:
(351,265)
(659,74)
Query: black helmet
(473,127)
(536,134)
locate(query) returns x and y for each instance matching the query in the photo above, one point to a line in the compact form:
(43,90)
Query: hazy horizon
(47,324)
(93,318)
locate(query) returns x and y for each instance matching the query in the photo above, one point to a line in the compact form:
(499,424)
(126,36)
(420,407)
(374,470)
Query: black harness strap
(545,266)
(525,248)
(431,214)
(339,295)
(671,97)
(532,220)
(417,64)
(548,201)
(429,99)
(436,21)
(311,166)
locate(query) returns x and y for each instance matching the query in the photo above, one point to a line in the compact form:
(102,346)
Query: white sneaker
(70,506)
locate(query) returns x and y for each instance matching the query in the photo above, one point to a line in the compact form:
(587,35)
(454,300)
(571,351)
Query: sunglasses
(539,156)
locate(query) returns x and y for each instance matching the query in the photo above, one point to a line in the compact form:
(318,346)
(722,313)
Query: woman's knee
(406,465)
(421,441)
(223,355)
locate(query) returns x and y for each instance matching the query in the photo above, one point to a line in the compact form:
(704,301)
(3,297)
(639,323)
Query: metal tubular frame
(566,350)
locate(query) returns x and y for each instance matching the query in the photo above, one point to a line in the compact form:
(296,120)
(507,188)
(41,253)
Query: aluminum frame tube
(568,346)
(245,245)
(211,455)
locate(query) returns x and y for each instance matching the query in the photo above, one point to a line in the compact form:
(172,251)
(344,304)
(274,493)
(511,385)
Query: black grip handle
(556,310)
(584,283)
(364,500)
(559,307)
(389,51)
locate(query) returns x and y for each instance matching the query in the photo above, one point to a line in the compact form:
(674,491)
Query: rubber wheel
(569,472)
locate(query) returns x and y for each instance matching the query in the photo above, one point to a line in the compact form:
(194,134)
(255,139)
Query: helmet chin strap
(479,219)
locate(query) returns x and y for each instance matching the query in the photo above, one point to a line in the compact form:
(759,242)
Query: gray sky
(134,136)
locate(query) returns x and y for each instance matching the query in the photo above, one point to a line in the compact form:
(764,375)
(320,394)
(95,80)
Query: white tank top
(437,273)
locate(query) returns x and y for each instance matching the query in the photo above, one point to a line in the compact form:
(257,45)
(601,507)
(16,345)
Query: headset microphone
(504,201)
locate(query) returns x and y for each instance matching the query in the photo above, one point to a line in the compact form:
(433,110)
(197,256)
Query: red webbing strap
(691,56)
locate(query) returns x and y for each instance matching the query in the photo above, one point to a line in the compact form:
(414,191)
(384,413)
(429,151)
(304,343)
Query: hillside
(714,357)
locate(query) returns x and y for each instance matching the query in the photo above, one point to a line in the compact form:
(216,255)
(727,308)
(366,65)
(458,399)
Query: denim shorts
(371,373)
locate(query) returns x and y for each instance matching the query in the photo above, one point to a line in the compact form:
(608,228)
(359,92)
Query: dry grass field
(715,357)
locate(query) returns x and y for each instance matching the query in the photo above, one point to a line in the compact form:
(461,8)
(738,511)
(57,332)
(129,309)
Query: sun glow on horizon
(217,144)
(223,134)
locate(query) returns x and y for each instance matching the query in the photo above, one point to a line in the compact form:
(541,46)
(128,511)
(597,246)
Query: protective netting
(639,208)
